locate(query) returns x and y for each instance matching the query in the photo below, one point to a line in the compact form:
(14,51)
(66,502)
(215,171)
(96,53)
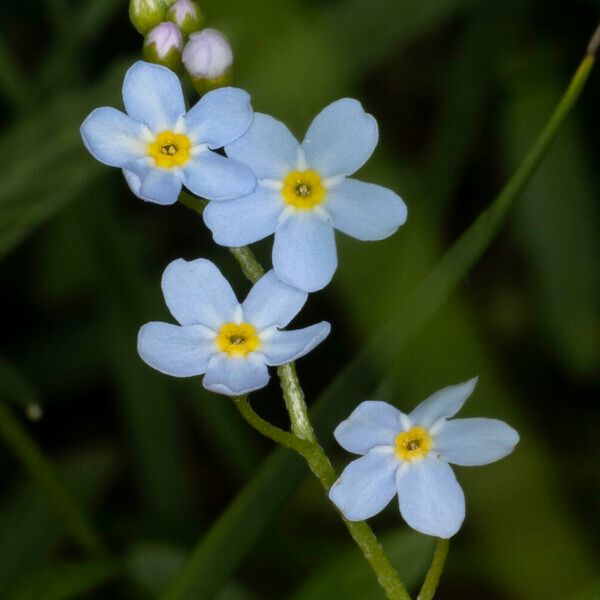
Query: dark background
(461,89)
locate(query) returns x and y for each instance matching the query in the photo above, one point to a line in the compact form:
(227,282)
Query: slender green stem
(435,570)
(250,266)
(43,472)
(294,402)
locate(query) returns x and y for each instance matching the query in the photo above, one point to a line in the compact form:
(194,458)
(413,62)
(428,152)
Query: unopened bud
(163,45)
(146,14)
(186,14)
(208,58)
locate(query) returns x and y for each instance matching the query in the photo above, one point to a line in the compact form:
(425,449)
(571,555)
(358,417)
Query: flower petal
(219,117)
(304,253)
(160,186)
(431,500)
(364,210)
(244,220)
(112,137)
(175,350)
(366,485)
(341,138)
(272,302)
(197,293)
(235,376)
(473,442)
(268,148)
(444,403)
(286,346)
(152,95)
(372,423)
(215,177)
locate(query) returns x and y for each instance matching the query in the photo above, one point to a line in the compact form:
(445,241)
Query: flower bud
(186,14)
(163,45)
(146,14)
(208,58)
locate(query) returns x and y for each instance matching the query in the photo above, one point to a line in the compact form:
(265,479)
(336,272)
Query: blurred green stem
(42,471)
(435,570)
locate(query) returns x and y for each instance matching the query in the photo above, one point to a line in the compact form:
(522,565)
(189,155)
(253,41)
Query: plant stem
(43,472)
(435,570)
(294,402)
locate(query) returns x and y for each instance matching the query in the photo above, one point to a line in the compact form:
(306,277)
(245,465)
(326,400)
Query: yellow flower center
(237,340)
(170,149)
(303,189)
(413,444)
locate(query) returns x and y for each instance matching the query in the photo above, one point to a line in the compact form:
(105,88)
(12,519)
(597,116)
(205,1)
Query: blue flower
(304,192)
(409,454)
(161,148)
(232,343)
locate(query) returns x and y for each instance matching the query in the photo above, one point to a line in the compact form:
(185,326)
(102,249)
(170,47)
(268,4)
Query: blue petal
(473,442)
(366,485)
(431,500)
(286,346)
(152,95)
(373,423)
(112,137)
(268,148)
(197,293)
(135,183)
(365,211)
(175,350)
(341,139)
(304,253)
(244,220)
(215,177)
(160,186)
(444,403)
(235,376)
(219,117)
(272,302)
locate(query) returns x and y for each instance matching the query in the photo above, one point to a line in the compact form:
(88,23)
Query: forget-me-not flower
(409,454)
(160,147)
(304,192)
(232,343)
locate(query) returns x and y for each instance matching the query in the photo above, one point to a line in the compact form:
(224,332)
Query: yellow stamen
(238,340)
(303,189)
(170,149)
(413,444)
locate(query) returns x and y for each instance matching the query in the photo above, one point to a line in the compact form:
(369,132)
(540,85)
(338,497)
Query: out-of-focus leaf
(64,581)
(14,387)
(348,576)
(29,528)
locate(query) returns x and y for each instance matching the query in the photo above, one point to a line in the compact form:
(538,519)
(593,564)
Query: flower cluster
(260,181)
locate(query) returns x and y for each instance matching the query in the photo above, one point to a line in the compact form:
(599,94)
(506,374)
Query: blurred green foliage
(164,469)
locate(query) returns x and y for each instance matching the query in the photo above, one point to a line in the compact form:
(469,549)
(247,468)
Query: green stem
(435,570)
(294,402)
(42,471)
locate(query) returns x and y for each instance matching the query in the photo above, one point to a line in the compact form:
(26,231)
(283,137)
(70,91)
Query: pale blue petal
(160,186)
(473,442)
(152,95)
(366,485)
(272,302)
(197,293)
(304,253)
(372,423)
(112,137)
(364,210)
(286,346)
(444,403)
(244,220)
(175,350)
(134,182)
(268,148)
(341,139)
(219,117)
(214,177)
(235,376)
(431,500)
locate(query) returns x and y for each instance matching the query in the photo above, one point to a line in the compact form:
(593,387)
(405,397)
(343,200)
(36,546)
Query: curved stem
(43,472)
(435,570)
(294,402)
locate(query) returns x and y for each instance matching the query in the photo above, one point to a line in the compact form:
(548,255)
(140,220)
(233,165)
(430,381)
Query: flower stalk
(435,570)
